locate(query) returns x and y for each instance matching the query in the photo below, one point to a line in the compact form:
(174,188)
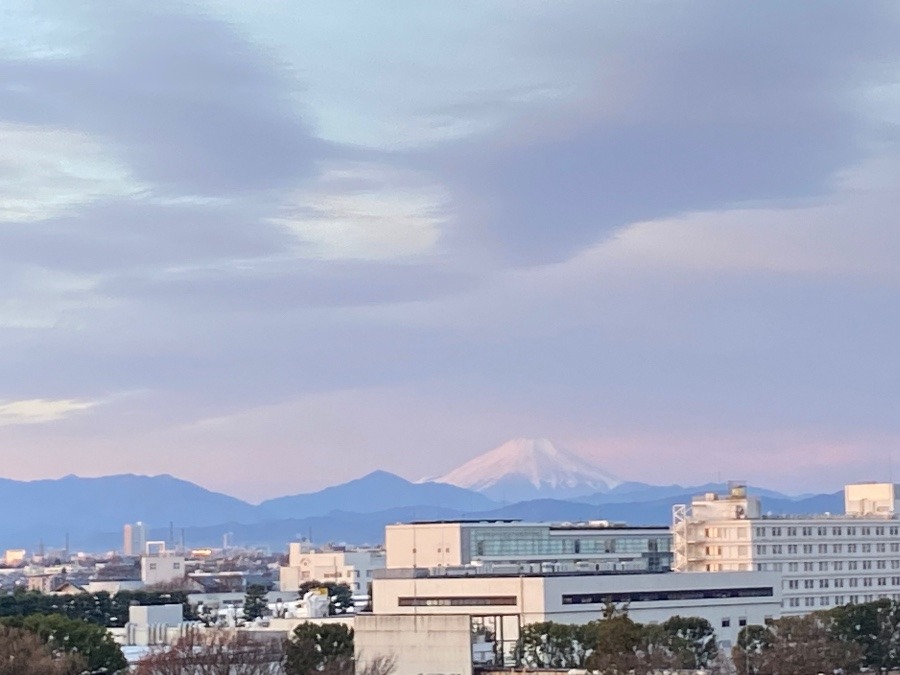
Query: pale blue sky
(272,246)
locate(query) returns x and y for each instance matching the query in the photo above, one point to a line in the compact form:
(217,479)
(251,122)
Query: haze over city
(268,248)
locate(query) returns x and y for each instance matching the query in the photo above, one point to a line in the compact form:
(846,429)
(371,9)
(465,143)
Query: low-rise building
(598,545)
(353,567)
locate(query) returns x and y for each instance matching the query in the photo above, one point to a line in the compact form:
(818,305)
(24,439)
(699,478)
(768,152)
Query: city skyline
(272,249)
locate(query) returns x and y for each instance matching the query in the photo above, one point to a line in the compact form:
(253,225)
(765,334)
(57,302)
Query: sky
(273,246)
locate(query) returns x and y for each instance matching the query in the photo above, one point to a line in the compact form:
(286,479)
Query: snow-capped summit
(528,468)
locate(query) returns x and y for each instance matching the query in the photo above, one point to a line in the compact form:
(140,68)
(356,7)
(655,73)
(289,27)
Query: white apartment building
(824,560)
(352,567)
(591,546)
(162,568)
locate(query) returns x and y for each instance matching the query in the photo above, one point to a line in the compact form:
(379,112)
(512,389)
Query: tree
(795,644)
(23,653)
(314,648)
(551,645)
(255,605)
(691,641)
(92,643)
(340,596)
(875,627)
(214,652)
(751,652)
(615,642)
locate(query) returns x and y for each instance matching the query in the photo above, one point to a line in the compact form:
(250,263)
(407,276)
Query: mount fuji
(527,468)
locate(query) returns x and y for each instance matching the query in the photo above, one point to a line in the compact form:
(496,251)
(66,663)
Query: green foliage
(551,645)
(875,628)
(795,644)
(691,641)
(100,608)
(92,643)
(255,604)
(314,648)
(340,596)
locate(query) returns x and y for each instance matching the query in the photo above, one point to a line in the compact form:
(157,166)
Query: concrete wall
(436,645)
(424,545)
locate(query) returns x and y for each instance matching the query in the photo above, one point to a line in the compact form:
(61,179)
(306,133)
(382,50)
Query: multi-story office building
(134,538)
(824,560)
(352,567)
(592,546)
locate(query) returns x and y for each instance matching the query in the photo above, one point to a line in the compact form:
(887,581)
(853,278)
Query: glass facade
(544,543)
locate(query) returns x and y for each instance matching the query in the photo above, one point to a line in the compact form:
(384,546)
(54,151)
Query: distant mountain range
(523,479)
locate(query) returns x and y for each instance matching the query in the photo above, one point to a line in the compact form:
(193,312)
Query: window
(793,567)
(794,602)
(760,532)
(838,566)
(866,531)
(658,596)
(867,564)
(894,531)
(867,581)
(838,583)
(761,549)
(851,531)
(151,566)
(809,602)
(792,548)
(176,566)
(742,621)
(823,566)
(881,564)
(851,565)
(807,531)
(807,567)
(823,601)
(867,548)
(880,548)
(836,531)
(823,548)
(807,549)
(792,531)
(823,583)
(851,548)
(822,531)
(776,549)
(808,583)
(471,601)
(853,583)
(726,623)
(776,531)
(879,531)
(837,548)
(793,583)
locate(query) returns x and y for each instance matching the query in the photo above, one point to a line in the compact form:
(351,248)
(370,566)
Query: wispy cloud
(40,410)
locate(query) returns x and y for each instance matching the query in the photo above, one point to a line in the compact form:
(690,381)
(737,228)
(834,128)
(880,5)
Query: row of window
(826,600)
(826,565)
(839,583)
(472,601)
(661,596)
(810,549)
(824,531)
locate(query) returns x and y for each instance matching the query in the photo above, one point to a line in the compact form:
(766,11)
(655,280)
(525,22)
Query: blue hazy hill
(377,491)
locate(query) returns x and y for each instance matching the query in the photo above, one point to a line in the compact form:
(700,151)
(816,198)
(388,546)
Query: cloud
(39,410)
(192,106)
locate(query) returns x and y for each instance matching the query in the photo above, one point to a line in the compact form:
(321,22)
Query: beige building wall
(161,569)
(436,645)
(863,499)
(425,545)
(353,568)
